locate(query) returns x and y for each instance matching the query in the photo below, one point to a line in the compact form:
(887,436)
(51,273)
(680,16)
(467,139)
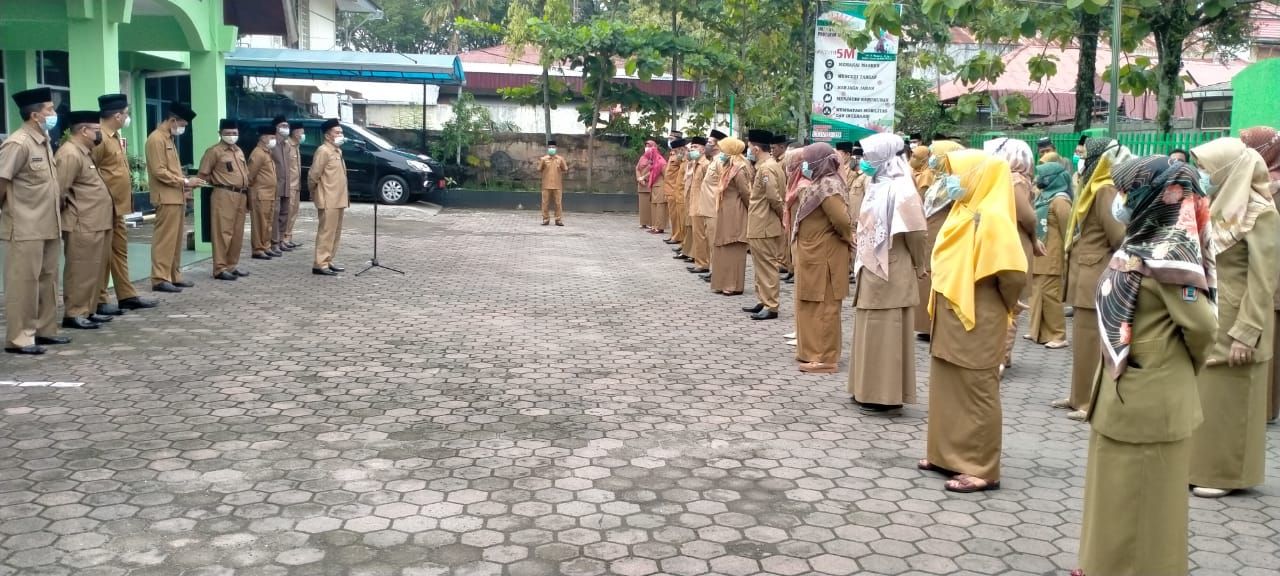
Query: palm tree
(441,12)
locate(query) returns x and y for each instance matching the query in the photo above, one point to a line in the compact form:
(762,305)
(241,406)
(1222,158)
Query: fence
(1140,143)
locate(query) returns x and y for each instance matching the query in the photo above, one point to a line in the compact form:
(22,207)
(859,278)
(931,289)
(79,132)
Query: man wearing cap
(327,181)
(296,136)
(552,168)
(696,245)
(263,194)
(29,223)
(709,195)
(764,224)
(672,185)
(288,170)
(86,222)
(779,146)
(170,190)
(223,167)
(113,166)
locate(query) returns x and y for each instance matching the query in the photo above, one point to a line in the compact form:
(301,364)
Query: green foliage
(471,125)
(402,29)
(918,110)
(531,94)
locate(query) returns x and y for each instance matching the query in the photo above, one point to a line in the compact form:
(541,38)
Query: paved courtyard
(526,400)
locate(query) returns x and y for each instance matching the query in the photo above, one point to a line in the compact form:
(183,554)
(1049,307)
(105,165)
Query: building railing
(1140,143)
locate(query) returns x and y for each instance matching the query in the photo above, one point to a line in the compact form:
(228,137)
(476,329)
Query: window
(1215,113)
(161,90)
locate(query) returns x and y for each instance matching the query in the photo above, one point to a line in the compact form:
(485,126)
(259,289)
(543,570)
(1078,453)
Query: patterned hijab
(1016,152)
(935,198)
(1100,155)
(1242,188)
(891,206)
(825,181)
(1266,141)
(1167,238)
(1053,181)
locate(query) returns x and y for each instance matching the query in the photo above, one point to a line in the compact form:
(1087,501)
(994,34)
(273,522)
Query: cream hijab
(1238,174)
(891,206)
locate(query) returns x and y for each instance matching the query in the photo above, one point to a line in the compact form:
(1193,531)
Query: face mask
(127,121)
(1206,183)
(179,131)
(954,190)
(806,171)
(50,122)
(302,138)
(694,154)
(339,140)
(866,168)
(934,163)
(230,140)
(551,151)
(271,143)
(1079,162)
(724,158)
(1119,211)
(97,137)
(283,132)
(751,157)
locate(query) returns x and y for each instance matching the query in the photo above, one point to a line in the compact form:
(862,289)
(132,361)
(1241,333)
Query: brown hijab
(1266,141)
(824,172)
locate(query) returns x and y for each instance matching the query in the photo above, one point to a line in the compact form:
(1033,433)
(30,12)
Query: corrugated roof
(357,66)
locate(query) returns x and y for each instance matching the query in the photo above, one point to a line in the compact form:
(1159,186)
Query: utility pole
(675,66)
(1113,109)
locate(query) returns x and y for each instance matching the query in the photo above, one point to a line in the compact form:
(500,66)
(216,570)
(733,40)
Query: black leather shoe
(32,350)
(137,303)
(165,287)
(224,275)
(275,253)
(239,272)
(52,340)
(765,315)
(261,256)
(686,258)
(285,248)
(670,241)
(678,256)
(789,276)
(337,268)
(79,323)
(753,309)
(706,278)
(184,284)
(696,270)
(559,223)
(110,310)
(294,245)
(323,272)
(100,318)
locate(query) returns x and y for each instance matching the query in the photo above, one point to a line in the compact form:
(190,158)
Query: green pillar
(137,132)
(209,100)
(19,74)
(93,53)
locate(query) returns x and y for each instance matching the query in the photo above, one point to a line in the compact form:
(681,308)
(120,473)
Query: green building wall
(1254,96)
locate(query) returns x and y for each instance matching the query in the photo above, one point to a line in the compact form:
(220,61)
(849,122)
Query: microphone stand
(374,262)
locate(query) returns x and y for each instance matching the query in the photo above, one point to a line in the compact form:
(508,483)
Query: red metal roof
(489,80)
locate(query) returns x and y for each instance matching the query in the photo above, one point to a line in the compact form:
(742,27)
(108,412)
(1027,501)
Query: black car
(376,169)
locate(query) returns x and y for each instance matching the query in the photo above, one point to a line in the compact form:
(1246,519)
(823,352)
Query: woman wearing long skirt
(1053,211)
(1023,165)
(977,279)
(820,239)
(1156,312)
(1266,141)
(648,174)
(1228,452)
(936,206)
(729,257)
(890,258)
(1093,234)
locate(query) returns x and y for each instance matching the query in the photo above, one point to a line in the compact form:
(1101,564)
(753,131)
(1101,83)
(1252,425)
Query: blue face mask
(934,163)
(952,183)
(1206,183)
(806,171)
(867,168)
(724,158)
(694,154)
(751,157)
(1119,211)
(50,122)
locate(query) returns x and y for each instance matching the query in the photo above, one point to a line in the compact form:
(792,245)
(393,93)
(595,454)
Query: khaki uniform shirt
(1247,280)
(1054,259)
(288,166)
(223,166)
(907,257)
(327,179)
(87,204)
(30,210)
(693,183)
(672,177)
(1100,236)
(262,174)
(295,168)
(708,191)
(552,169)
(764,212)
(113,165)
(164,169)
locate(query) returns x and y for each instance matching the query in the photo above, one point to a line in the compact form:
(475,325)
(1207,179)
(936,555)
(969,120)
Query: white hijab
(891,205)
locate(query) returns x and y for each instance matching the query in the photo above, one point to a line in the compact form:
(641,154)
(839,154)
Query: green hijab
(1053,181)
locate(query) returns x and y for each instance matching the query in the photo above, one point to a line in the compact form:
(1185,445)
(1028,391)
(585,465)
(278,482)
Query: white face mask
(302,138)
(127,121)
(283,132)
(179,131)
(271,143)
(339,140)
(1119,211)
(230,140)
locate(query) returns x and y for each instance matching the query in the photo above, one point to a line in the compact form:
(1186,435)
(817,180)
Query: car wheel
(393,190)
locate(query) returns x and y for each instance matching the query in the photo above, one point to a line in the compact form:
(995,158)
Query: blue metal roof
(357,66)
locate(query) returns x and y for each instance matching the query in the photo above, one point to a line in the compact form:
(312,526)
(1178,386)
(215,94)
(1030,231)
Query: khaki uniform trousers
(166,244)
(263,214)
(550,195)
(701,242)
(293,216)
(677,221)
(30,291)
(86,257)
(279,220)
(764,260)
(117,265)
(228,229)
(327,236)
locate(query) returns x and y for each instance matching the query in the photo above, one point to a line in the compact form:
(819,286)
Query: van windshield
(368,136)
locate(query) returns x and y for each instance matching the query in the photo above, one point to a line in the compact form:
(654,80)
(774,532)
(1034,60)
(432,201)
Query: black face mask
(97,137)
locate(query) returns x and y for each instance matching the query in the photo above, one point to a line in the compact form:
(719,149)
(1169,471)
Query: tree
(441,14)
(401,30)
(520,23)
(471,125)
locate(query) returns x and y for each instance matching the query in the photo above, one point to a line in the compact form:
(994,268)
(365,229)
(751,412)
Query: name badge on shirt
(1189,293)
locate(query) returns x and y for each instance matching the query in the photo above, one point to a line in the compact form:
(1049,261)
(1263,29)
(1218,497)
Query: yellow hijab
(1242,189)
(1113,155)
(980,237)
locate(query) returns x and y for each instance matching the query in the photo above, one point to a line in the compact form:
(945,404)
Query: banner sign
(853,91)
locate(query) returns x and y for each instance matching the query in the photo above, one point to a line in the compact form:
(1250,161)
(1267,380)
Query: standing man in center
(552,167)
(673,185)
(764,225)
(223,166)
(288,170)
(700,249)
(327,182)
(109,156)
(263,195)
(296,136)
(86,222)
(170,190)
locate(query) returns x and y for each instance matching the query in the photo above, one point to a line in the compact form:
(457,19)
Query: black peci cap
(265,130)
(844,146)
(764,137)
(82,117)
(551,142)
(278,120)
(698,140)
(182,111)
(32,96)
(679,143)
(112,103)
(227,124)
(329,124)
(857,150)
(718,135)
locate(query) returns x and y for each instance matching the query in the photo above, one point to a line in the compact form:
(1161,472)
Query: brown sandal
(927,466)
(964,484)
